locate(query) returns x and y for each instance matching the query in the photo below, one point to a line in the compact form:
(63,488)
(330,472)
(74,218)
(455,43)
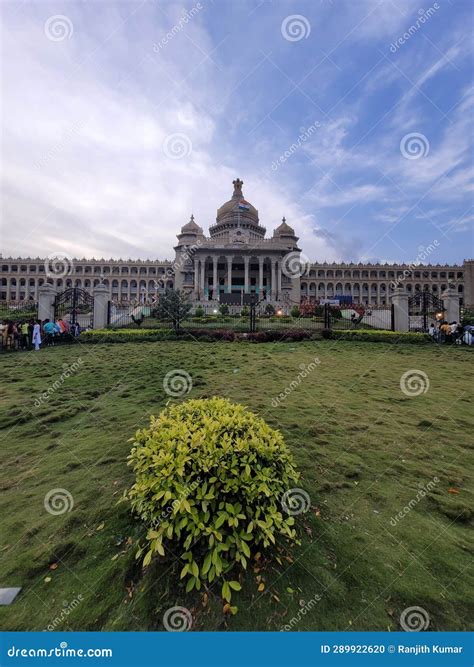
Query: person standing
(37,335)
(24,336)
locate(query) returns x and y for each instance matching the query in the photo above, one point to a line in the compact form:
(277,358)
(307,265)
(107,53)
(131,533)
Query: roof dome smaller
(283,229)
(191,227)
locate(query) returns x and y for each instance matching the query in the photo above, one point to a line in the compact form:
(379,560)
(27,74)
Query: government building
(236,258)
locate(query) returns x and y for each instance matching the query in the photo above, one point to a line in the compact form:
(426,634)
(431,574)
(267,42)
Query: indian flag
(244,205)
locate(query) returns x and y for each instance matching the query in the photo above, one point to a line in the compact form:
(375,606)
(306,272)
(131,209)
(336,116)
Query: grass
(364,449)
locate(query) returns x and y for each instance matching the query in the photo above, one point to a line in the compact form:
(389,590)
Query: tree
(224,309)
(172,305)
(199,312)
(269,309)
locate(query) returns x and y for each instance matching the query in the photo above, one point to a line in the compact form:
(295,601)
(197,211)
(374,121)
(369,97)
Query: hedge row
(211,335)
(377,336)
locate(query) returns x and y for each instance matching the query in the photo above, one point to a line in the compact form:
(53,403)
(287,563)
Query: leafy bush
(210,476)
(467,317)
(269,309)
(199,312)
(295,311)
(224,309)
(244,312)
(125,335)
(382,336)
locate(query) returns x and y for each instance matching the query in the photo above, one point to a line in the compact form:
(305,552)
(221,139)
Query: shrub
(382,336)
(199,312)
(224,309)
(295,311)
(244,312)
(209,480)
(326,333)
(269,309)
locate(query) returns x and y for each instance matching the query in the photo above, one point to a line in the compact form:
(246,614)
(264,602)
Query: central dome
(237,212)
(237,206)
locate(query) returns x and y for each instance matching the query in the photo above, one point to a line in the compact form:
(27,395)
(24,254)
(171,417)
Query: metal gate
(424,308)
(75,305)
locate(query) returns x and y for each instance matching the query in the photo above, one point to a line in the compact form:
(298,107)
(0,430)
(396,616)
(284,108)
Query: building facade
(236,258)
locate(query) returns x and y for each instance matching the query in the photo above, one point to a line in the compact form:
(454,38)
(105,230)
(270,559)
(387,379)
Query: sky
(351,119)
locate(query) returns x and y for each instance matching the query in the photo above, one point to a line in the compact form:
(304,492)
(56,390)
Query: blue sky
(113,133)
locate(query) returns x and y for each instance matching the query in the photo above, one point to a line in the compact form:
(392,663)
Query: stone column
(203,278)
(279,281)
(229,273)
(451,305)
(399,299)
(246,274)
(260,276)
(46,296)
(196,278)
(273,285)
(101,302)
(215,286)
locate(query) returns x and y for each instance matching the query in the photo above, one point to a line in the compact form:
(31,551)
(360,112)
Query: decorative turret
(190,232)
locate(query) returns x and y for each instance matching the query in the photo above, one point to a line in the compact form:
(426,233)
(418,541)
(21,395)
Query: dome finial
(237,188)
(283,219)
(191,219)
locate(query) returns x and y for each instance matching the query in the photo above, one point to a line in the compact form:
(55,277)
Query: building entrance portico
(236,258)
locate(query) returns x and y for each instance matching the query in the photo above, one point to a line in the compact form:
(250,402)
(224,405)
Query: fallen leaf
(275,597)
(261,587)
(47,579)
(53,566)
(205,598)
(258,555)
(100,526)
(453,490)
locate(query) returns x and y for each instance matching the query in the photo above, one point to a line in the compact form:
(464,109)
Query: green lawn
(364,449)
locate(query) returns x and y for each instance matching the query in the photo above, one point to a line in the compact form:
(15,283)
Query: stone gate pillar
(399,299)
(46,295)
(451,305)
(101,306)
